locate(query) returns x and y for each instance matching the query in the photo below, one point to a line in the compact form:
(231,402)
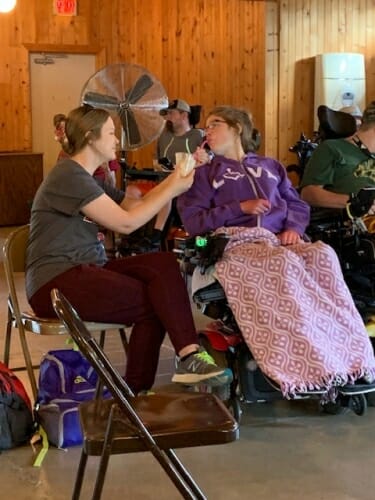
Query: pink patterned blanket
(295,311)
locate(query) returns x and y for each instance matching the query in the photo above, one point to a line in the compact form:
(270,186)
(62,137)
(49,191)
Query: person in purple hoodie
(288,296)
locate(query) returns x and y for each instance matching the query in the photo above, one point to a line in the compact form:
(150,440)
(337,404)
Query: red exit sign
(65,7)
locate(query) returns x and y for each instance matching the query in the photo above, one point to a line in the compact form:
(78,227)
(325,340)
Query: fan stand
(124,167)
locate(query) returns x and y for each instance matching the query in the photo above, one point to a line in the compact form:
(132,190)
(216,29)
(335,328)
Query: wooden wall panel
(205,51)
(250,53)
(308,28)
(271,116)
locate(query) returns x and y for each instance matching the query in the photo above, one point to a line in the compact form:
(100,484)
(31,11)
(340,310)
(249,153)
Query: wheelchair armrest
(209,293)
(322,214)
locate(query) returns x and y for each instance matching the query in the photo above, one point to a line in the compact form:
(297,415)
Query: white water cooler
(339,81)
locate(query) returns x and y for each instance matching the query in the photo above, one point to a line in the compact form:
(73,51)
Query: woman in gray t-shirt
(65,251)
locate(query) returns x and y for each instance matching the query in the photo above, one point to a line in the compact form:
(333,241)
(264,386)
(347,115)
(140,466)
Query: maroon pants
(146,291)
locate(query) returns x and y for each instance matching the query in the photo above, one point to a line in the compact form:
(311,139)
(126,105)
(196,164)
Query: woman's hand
(289,237)
(255,207)
(178,182)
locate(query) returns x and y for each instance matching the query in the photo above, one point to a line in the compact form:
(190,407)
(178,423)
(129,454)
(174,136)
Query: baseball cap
(179,104)
(369,113)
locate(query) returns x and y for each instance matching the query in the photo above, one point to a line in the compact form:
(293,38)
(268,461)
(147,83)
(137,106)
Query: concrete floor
(286,451)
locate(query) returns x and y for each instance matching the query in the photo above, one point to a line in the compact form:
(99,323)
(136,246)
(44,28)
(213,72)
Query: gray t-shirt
(169,144)
(61,237)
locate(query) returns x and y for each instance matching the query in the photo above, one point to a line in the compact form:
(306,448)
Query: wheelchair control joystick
(359,204)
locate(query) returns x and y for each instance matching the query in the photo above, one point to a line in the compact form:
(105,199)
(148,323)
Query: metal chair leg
(104,459)
(124,340)
(79,477)
(102,338)
(28,362)
(8,337)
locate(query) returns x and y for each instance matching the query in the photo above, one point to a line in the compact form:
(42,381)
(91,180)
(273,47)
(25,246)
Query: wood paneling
(204,51)
(20,177)
(308,28)
(243,52)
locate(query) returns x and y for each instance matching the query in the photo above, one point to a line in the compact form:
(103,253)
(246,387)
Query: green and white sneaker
(201,367)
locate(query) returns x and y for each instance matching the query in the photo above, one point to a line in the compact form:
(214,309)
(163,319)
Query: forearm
(199,220)
(131,214)
(317,196)
(140,213)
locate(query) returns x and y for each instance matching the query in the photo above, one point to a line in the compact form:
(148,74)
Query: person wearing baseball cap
(178,135)
(179,104)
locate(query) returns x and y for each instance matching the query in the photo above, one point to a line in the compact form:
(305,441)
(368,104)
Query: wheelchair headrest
(256,139)
(335,124)
(195,114)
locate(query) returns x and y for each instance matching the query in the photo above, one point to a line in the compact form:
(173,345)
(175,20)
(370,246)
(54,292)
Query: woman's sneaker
(201,367)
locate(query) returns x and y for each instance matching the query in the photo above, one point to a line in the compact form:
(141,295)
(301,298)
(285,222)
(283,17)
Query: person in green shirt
(340,168)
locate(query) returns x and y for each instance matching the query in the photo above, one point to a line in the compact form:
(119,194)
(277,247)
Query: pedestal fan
(134,98)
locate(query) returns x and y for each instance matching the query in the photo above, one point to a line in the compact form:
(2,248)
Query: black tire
(370,396)
(332,407)
(358,403)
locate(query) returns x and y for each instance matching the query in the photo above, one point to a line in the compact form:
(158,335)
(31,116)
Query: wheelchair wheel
(370,399)
(358,403)
(332,407)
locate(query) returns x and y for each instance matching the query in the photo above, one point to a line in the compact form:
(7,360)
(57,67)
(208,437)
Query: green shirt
(339,166)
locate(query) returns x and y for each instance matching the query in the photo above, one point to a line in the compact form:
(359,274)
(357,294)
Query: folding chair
(156,423)
(14,252)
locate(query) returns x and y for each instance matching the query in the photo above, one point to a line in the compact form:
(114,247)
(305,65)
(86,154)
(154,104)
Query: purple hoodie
(214,199)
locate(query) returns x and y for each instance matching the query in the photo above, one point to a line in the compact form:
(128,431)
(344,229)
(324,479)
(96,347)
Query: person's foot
(201,367)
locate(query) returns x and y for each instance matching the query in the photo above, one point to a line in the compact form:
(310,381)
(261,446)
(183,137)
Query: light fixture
(7,5)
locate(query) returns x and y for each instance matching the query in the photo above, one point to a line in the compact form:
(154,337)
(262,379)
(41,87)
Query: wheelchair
(355,248)
(354,245)
(222,338)
(332,125)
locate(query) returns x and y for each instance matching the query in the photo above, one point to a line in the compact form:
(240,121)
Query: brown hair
(57,119)
(240,119)
(368,117)
(83,124)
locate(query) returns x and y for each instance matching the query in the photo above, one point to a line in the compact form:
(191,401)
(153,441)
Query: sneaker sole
(194,378)
(225,379)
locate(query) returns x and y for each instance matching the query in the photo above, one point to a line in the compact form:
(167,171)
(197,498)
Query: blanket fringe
(326,383)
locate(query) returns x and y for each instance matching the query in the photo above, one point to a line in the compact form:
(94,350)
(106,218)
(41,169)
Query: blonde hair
(239,119)
(82,125)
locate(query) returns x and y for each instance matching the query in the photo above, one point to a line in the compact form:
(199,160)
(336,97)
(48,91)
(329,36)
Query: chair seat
(53,326)
(175,420)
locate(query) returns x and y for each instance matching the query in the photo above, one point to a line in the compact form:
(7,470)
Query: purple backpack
(65,379)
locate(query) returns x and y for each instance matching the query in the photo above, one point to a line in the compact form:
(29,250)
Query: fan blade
(130,127)
(97,100)
(139,89)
